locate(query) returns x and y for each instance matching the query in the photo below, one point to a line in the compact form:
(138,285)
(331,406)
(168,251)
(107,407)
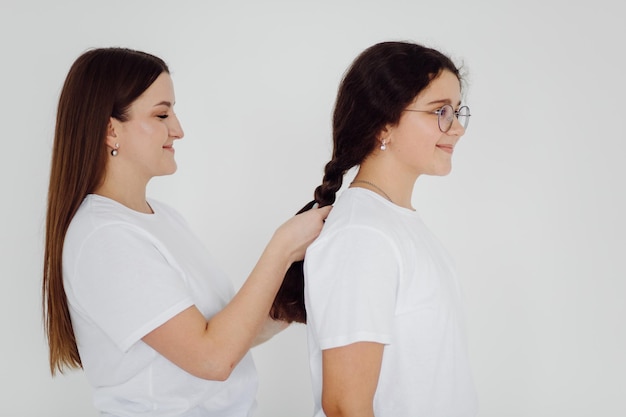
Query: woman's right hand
(297,233)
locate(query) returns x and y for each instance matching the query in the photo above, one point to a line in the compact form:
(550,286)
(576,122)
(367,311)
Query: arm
(269,329)
(350,379)
(211,349)
(351,288)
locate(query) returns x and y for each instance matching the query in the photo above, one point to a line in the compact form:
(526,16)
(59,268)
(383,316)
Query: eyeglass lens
(446,117)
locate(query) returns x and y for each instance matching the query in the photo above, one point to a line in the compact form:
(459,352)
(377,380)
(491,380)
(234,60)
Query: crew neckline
(94,196)
(381,198)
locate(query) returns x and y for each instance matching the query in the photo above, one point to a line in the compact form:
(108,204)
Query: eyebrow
(443,101)
(163,103)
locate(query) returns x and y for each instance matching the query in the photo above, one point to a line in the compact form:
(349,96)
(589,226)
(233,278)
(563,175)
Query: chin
(442,171)
(168,171)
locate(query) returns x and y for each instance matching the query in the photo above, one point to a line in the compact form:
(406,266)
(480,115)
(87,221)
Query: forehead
(446,88)
(161,90)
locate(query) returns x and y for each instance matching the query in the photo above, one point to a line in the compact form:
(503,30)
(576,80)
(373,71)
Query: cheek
(146,128)
(429,137)
(421,143)
(418,133)
(152,133)
(144,139)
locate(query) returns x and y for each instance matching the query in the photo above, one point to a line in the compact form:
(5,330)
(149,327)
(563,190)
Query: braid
(333,179)
(289,302)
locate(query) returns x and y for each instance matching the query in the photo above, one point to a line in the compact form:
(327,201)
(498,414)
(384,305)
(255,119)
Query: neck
(127,193)
(389,184)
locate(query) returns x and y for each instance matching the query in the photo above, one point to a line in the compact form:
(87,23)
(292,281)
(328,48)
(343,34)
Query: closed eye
(163,116)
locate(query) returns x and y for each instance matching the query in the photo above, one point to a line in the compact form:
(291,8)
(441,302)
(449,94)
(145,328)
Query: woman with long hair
(130,293)
(383,308)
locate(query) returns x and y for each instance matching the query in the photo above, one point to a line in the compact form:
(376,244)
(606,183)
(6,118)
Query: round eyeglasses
(446,115)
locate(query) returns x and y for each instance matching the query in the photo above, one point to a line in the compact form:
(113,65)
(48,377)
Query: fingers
(321,214)
(324,211)
(300,231)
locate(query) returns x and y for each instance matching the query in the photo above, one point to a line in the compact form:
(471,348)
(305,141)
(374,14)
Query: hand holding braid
(288,305)
(289,302)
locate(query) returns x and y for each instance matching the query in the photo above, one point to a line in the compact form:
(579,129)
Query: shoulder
(97,211)
(94,213)
(358,224)
(361,209)
(102,218)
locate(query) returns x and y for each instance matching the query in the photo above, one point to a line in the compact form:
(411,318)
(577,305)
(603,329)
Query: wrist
(281,253)
(290,241)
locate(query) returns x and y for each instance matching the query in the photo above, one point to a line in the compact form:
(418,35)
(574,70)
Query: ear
(112,129)
(385,134)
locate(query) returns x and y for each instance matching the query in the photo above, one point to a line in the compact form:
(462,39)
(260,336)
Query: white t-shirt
(377,274)
(126,273)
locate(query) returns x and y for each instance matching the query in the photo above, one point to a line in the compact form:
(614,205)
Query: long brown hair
(379,84)
(102,83)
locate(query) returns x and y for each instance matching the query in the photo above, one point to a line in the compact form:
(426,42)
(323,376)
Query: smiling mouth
(446,148)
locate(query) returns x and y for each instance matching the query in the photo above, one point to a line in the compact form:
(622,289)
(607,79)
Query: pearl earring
(114,151)
(383,145)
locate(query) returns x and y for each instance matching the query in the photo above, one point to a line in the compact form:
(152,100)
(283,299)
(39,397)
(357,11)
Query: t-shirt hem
(156,322)
(344,340)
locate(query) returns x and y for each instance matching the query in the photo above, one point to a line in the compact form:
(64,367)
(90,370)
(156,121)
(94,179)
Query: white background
(533,211)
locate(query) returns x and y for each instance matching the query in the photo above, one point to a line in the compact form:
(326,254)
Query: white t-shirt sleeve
(125,285)
(351,284)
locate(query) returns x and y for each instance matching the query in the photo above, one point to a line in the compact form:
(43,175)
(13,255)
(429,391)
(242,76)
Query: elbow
(224,372)
(212,365)
(332,411)
(335,406)
(215,362)
(220,371)
(331,408)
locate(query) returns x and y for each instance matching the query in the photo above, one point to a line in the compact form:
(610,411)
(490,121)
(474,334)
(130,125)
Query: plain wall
(533,212)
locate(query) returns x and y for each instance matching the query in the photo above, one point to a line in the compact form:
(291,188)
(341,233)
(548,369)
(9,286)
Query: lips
(446,148)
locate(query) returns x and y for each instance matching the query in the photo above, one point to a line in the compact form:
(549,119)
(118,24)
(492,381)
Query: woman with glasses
(385,326)
(130,293)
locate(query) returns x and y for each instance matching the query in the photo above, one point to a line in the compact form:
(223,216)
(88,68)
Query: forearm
(211,349)
(238,325)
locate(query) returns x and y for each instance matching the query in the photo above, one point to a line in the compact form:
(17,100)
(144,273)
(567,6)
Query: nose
(456,129)
(175,129)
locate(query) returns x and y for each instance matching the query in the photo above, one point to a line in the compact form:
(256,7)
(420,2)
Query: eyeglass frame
(439,111)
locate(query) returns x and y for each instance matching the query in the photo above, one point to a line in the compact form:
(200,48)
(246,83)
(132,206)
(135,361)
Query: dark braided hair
(380,83)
